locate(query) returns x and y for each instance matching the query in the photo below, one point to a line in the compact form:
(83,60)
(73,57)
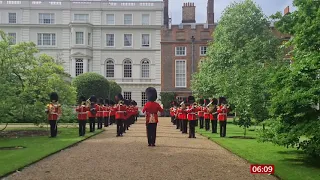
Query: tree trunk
(245,132)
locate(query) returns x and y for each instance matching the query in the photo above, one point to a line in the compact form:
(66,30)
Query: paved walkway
(175,157)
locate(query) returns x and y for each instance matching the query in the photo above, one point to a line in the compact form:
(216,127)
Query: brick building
(182,48)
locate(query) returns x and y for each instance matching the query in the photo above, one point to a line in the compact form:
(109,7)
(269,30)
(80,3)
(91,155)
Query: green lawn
(289,163)
(36,148)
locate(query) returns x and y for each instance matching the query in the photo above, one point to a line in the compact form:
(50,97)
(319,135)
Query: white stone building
(117,39)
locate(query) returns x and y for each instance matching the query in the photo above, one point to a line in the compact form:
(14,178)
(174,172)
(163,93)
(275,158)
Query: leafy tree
(244,51)
(114,90)
(89,84)
(295,90)
(166,98)
(26,82)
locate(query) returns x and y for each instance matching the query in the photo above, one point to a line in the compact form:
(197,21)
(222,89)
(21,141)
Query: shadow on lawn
(301,159)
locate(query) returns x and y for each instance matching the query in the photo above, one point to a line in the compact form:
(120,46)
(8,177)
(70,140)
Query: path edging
(53,153)
(274,175)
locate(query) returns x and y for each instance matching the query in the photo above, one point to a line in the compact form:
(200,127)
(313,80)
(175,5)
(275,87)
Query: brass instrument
(88,103)
(194,105)
(183,105)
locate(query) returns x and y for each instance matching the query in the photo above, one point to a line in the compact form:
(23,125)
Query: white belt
(200,111)
(191,113)
(206,113)
(82,113)
(121,111)
(100,111)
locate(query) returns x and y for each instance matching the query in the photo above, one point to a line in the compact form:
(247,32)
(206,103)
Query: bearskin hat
(54,96)
(191,99)
(126,102)
(119,97)
(206,101)
(93,98)
(100,101)
(151,94)
(82,99)
(222,100)
(111,102)
(201,101)
(214,101)
(106,101)
(134,103)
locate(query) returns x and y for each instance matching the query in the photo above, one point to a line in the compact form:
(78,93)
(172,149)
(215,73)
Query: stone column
(73,67)
(85,65)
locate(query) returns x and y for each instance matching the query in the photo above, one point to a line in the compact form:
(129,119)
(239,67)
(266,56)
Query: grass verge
(289,163)
(36,148)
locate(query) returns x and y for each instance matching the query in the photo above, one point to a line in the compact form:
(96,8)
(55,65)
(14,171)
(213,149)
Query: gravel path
(129,158)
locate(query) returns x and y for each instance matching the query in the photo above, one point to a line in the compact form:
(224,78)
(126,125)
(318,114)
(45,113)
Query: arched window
(127,68)
(109,68)
(145,68)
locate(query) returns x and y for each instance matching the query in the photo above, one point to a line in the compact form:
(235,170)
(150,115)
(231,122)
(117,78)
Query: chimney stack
(188,13)
(210,12)
(166,13)
(286,10)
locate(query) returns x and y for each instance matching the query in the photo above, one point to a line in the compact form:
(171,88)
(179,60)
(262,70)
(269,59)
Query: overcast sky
(268,6)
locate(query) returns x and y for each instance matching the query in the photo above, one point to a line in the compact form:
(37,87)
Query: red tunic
(182,114)
(222,113)
(100,111)
(206,113)
(120,111)
(54,111)
(96,107)
(129,112)
(82,112)
(136,110)
(112,111)
(200,111)
(192,113)
(105,111)
(151,108)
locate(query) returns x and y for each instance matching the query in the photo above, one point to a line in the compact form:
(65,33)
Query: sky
(269,7)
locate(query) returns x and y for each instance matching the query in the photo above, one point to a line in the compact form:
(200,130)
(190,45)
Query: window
(203,50)
(145,19)
(12,18)
(127,69)
(79,66)
(89,38)
(46,18)
(143,98)
(180,98)
(181,73)
(127,40)
(145,40)
(127,19)
(181,51)
(81,17)
(110,40)
(145,68)
(127,95)
(46,39)
(110,19)
(79,37)
(109,68)
(12,38)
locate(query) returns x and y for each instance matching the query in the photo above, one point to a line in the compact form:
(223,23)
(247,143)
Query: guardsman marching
(178,117)
(206,115)
(201,113)
(214,115)
(93,108)
(222,116)
(136,111)
(82,111)
(192,116)
(126,120)
(54,112)
(112,112)
(120,114)
(172,112)
(151,109)
(100,113)
(106,113)
(184,119)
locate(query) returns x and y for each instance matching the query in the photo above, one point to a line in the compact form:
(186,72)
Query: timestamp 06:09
(261,169)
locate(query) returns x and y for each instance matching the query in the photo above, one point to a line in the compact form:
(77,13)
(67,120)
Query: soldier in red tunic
(106,113)
(120,114)
(172,112)
(184,119)
(126,121)
(82,111)
(136,111)
(214,115)
(178,117)
(201,113)
(54,112)
(222,116)
(151,109)
(206,114)
(112,112)
(192,116)
(93,108)
(100,113)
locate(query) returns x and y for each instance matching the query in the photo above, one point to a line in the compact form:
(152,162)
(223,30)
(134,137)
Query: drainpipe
(192,60)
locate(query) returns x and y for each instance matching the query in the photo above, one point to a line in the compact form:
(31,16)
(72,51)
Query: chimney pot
(188,13)
(287,10)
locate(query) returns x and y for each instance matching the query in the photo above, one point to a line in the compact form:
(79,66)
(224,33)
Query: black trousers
(112,120)
(92,122)
(152,133)
(201,119)
(106,121)
(119,127)
(125,125)
(172,118)
(177,124)
(192,129)
(197,122)
(99,122)
(82,127)
(53,128)
(207,124)
(185,126)
(223,128)
(181,125)
(214,124)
